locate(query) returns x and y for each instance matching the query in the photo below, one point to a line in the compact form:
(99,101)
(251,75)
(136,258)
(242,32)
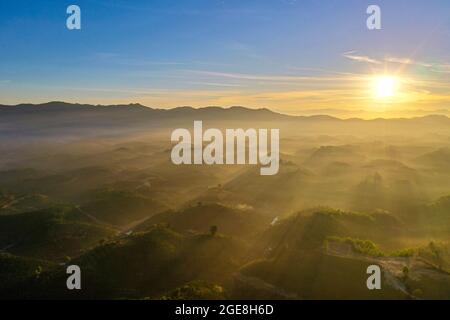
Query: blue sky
(282,54)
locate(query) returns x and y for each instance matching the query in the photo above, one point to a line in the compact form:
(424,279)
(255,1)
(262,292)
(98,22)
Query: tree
(37,272)
(213,230)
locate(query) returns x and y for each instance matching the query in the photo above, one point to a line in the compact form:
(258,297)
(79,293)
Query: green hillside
(200,217)
(121,207)
(14,271)
(12,203)
(51,234)
(148,264)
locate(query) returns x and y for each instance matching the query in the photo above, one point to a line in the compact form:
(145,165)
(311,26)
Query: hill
(50,234)
(15,270)
(200,217)
(157,261)
(305,259)
(11,203)
(121,208)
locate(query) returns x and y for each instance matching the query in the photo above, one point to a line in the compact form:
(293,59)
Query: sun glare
(385,86)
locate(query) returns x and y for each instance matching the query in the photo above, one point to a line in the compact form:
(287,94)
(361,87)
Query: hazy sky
(283,54)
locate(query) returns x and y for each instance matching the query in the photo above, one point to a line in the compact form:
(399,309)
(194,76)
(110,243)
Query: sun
(385,86)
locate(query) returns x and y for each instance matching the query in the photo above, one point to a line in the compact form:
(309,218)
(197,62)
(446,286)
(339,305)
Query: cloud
(407,61)
(214,84)
(436,67)
(274,78)
(441,68)
(350,55)
(118,59)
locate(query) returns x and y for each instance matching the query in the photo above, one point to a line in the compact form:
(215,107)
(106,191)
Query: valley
(347,195)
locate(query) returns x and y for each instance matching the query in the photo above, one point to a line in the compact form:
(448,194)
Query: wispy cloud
(141,63)
(274,78)
(434,67)
(442,68)
(352,56)
(407,61)
(214,84)
(115,58)
(324,71)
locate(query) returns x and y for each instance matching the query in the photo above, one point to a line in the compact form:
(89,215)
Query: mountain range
(67,119)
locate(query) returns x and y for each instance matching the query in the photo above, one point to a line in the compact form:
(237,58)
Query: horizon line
(131,104)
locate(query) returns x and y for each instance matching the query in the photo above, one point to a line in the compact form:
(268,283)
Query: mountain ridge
(66,106)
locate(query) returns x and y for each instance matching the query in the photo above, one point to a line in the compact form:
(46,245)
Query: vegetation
(140,227)
(197,290)
(361,246)
(51,233)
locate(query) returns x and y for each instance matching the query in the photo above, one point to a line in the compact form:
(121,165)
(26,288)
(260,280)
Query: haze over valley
(94,186)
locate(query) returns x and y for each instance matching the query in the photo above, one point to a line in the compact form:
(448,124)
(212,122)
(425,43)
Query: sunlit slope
(302,261)
(12,203)
(146,264)
(121,207)
(200,217)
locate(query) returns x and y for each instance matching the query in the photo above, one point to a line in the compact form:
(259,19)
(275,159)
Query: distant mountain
(365,114)
(110,113)
(66,119)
